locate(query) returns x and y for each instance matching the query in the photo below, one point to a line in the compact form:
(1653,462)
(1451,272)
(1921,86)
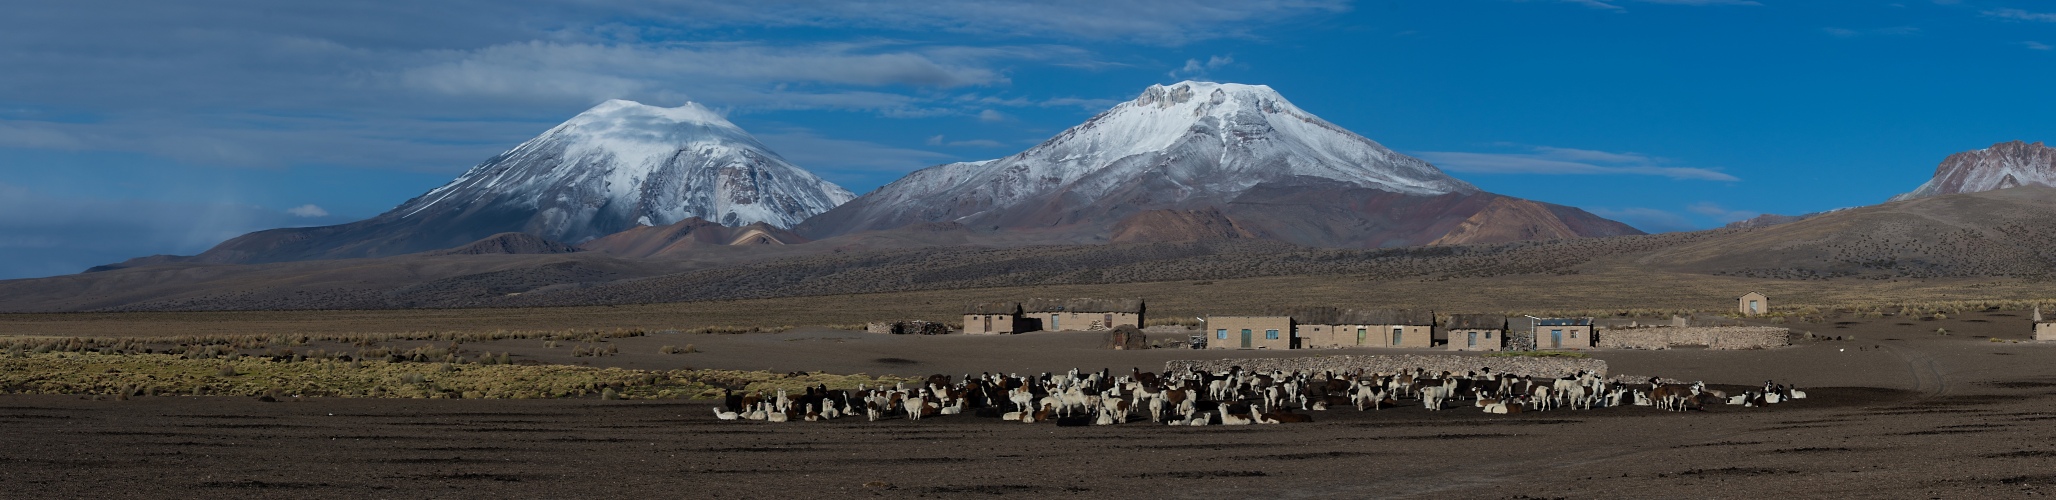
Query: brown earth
(1900,411)
(689,235)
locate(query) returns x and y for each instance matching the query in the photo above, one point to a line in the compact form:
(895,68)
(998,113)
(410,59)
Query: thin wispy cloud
(1164,22)
(2021,15)
(969,143)
(1615,5)
(1719,213)
(828,156)
(1647,219)
(1543,160)
(2034,45)
(1853,33)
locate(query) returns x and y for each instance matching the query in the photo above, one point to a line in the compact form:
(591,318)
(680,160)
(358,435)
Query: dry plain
(1899,411)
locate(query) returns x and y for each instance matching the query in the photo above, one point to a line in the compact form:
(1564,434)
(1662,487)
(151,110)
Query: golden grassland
(135,374)
(1618,291)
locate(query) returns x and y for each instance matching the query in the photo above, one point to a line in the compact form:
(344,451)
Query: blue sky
(133,127)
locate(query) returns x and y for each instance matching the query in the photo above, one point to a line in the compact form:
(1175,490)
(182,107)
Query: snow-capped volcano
(614,167)
(623,164)
(1178,146)
(2004,165)
(1186,146)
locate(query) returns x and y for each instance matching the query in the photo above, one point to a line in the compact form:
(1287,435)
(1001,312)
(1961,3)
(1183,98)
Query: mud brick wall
(1535,366)
(1721,337)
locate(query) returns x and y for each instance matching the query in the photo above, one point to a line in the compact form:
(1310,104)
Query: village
(1128,327)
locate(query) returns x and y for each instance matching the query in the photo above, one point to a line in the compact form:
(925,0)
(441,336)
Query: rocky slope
(2004,165)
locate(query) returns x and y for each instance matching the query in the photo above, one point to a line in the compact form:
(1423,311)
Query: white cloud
(1094,104)
(46,235)
(813,152)
(991,116)
(2021,15)
(1598,4)
(1565,161)
(1891,31)
(1647,219)
(308,210)
(2031,44)
(588,71)
(1162,22)
(971,143)
(1196,68)
(1724,215)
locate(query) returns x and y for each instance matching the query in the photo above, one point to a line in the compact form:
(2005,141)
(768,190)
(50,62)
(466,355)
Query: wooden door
(988,324)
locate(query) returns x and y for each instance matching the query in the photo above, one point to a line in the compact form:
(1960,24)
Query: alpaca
(723,414)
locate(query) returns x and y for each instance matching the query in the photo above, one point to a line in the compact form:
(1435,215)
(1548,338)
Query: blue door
(1555,339)
(1245,338)
(1472,341)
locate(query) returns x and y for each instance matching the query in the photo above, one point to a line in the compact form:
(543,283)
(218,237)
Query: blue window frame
(1271,334)
(1221,334)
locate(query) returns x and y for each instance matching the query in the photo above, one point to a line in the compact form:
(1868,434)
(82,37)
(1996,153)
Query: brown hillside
(686,236)
(1178,225)
(1508,219)
(509,243)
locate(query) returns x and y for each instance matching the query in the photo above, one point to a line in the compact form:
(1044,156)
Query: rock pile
(908,327)
(1724,337)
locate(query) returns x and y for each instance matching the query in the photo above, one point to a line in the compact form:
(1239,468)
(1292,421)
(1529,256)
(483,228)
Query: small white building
(1754,304)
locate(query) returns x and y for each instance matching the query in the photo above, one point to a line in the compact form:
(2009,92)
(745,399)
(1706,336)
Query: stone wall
(909,327)
(1517,365)
(1720,337)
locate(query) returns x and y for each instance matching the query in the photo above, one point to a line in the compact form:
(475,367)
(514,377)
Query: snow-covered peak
(1178,145)
(623,163)
(2004,165)
(1245,119)
(623,112)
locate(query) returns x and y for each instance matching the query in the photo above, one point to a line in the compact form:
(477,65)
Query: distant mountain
(1998,233)
(508,244)
(686,235)
(2004,165)
(614,167)
(1241,151)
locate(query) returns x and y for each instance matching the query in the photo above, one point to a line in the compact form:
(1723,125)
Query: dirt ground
(1900,411)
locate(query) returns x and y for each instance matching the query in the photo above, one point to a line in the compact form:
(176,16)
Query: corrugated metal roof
(1563,322)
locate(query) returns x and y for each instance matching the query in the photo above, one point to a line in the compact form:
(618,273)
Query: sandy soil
(1899,412)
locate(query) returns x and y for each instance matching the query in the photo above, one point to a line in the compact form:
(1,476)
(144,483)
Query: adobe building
(1335,328)
(1754,304)
(1249,332)
(1056,315)
(1332,328)
(993,318)
(1476,332)
(1551,333)
(2044,330)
